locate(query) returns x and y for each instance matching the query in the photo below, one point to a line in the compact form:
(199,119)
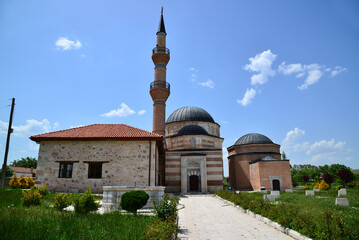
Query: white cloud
(65,44)
(248,96)
(32,127)
(290,68)
(337,70)
(33,146)
(291,138)
(224,122)
(313,77)
(124,111)
(313,72)
(194,76)
(326,151)
(77,126)
(141,112)
(209,83)
(261,63)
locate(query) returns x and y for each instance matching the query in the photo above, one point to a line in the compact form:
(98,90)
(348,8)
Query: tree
(27,162)
(9,172)
(305,178)
(328,178)
(345,176)
(284,156)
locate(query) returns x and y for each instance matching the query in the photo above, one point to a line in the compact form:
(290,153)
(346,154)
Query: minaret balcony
(160,84)
(161,50)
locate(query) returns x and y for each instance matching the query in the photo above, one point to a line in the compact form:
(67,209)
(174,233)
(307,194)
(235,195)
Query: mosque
(182,153)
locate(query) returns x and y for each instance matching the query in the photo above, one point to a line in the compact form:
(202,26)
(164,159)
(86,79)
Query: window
(95,170)
(65,170)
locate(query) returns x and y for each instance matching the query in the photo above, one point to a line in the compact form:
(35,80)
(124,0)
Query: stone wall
(174,127)
(193,142)
(213,174)
(125,163)
(112,196)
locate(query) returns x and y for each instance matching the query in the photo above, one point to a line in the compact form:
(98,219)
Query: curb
(294,234)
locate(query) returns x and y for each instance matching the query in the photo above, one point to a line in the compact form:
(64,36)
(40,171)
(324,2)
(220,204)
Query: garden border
(294,234)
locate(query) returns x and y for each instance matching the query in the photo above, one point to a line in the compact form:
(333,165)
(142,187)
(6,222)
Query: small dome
(253,138)
(192,130)
(190,114)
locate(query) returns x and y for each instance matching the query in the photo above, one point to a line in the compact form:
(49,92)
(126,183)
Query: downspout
(149,166)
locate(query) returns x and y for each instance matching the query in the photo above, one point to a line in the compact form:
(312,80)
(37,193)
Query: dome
(253,138)
(192,130)
(190,114)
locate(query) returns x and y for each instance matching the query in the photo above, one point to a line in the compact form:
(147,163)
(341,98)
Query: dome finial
(162,10)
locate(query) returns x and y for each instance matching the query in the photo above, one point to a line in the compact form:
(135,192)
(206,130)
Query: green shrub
(339,187)
(160,230)
(352,184)
(167,207)
(134,200)
(31,198)
(85,203)
(42,190)
(62,201)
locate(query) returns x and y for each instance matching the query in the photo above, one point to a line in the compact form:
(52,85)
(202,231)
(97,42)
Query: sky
(285,69)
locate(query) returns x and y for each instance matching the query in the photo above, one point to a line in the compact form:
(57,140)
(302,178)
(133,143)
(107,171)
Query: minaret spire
(159,88)
(161,26)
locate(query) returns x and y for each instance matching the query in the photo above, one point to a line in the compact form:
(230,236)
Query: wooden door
(193,183)
(276,185)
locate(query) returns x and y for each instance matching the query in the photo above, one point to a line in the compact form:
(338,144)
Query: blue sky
(285,69)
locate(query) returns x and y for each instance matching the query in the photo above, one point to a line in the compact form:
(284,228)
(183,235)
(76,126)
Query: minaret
(159,88)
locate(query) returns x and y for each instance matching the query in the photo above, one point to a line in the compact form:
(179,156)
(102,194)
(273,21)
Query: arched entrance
(276,185)
(193,183)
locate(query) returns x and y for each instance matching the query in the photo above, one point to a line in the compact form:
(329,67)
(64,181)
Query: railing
(161,50)
(160,84)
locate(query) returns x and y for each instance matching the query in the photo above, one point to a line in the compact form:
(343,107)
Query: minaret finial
(162,10)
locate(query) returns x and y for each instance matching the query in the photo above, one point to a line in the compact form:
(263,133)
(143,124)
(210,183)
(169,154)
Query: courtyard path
(206,217)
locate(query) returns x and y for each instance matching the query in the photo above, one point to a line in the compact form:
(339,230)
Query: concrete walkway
(206,217)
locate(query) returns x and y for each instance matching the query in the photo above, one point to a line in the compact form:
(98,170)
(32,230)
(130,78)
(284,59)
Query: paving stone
(288,190)
(309,193)
(263,191)
(342,202)
(211,218)
(342,192)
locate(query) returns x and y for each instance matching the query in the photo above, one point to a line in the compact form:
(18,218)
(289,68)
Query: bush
(294,184)
(316,186)
(167,208)
(345,176)
(42,190)
(133,200)
(30,182)
(323,185)
(85,203)
(31,198)
(23,182)
(14,182)
(352,184)
(160,230)
(62,201)
(339,187)
(306,187)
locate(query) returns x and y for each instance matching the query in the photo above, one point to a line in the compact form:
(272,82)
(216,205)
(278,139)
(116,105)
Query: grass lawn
(314,216)
(45,222)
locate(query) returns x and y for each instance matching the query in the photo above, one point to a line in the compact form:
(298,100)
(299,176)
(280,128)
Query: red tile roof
(22,169)
(98,132)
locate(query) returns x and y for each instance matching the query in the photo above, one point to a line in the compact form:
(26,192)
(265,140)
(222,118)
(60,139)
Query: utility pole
(9,131)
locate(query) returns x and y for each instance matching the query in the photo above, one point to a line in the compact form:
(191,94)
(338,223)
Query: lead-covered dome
(192,130)
(190,114)
(253,138)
